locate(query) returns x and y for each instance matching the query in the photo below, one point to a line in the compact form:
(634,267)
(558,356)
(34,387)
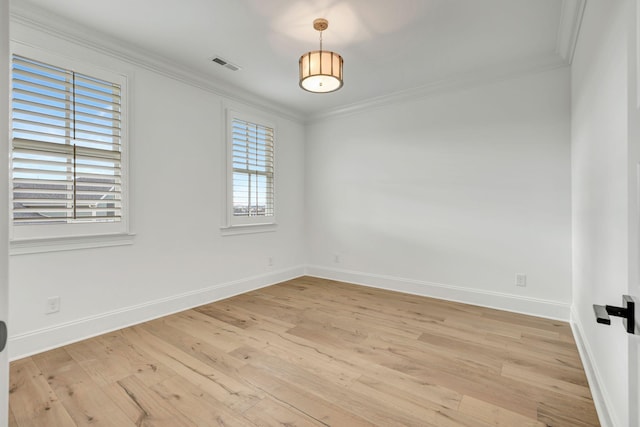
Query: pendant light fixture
(320,70)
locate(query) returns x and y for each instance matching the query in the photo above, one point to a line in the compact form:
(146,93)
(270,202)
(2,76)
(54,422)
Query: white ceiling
(389,46)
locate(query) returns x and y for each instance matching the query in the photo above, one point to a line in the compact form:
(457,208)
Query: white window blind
(66,153)
(252,164)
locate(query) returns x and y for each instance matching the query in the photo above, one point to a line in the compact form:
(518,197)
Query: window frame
(44,237)
(249,224)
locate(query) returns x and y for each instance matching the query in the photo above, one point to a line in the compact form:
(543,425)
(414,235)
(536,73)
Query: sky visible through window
(252,169)
(66,137)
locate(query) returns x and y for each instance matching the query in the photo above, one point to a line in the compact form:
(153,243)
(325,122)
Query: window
(251,171)
(67,172)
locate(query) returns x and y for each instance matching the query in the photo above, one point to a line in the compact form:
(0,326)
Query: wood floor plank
(527,351)
(237,313)
(272,413)
(425,394)
(228,316)
(542,380)
(61,371)
(153,409)
(569,374)
(197,405)
(359,316)
(12,420)
(495,415)
(317,408)
(211,330)
(454,375)
(32,401)
(124,402)
(232,392)
(567,413)
(310,356)
(375,405)
(104,368)
(92,407)
(282,312)
(196,348)
(363,324)
(343,367)
(313,352)
(86,404)
(540,323)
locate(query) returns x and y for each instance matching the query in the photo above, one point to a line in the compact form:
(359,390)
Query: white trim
(248,229)
(54,25)
(55,244)
(463,81)
(594,377)
(33,342)
(63,28)
(24,238)
(569,28)
(245,225)
(500,301)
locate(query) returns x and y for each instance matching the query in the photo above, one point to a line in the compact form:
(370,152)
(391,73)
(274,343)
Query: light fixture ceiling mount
(320,24)
(321,70)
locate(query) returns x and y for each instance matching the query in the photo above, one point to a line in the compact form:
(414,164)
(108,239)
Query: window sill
(248,229)
(56,244)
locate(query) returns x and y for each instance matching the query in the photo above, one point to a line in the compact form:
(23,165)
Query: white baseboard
(594,377)
(515,303)
(33,342)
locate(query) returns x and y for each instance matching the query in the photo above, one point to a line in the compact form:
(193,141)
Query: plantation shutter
(252,147)
(66,146)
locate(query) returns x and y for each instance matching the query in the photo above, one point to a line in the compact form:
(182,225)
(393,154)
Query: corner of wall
(496,300)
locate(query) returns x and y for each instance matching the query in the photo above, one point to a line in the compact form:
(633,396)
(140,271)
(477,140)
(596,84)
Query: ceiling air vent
(226,64)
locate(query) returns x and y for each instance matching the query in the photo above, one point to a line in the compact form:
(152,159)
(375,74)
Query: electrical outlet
(521,280)
(53,305)
(270,261)
(336,258)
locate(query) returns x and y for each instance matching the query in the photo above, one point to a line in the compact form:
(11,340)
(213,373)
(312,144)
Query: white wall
(179,257)
(600,194)
(450,195)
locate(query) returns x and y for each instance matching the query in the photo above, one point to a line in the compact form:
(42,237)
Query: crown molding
(476,78)
(570,21)
(65,29)
(571,15)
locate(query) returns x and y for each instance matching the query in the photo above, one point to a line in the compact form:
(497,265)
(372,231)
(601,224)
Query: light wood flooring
(313,352)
